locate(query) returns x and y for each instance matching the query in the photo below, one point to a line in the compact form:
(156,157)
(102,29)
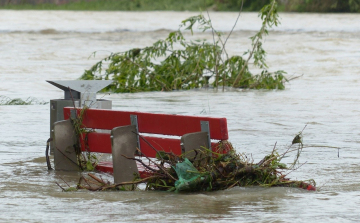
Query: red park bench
(131,130)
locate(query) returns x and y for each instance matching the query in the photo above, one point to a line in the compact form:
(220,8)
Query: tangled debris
(208,171)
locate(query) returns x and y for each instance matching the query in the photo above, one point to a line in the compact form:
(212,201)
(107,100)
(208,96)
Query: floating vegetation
(209,171)
(4,100)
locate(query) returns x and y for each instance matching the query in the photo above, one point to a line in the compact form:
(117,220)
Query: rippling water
(55,45)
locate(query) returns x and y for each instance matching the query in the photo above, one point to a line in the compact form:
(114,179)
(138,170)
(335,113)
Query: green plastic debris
(189,177)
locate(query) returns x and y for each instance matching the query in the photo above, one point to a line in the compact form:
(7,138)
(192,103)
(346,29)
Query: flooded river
(325,48)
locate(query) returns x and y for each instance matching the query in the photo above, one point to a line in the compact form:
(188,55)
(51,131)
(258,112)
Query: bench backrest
(159,124)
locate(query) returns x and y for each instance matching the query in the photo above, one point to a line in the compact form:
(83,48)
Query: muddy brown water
(55,45)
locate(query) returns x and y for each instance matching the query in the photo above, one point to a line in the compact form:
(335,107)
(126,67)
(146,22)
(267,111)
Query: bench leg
(194,141)
(64,152)
(124,142)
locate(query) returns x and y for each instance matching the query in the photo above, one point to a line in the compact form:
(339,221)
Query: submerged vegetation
(179,64)
(4,100)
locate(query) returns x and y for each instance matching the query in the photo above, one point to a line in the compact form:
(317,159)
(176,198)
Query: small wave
(48,31)
(122,30)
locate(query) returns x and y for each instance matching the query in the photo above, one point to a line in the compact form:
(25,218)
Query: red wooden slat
(160,144)
(165,124)
(96,142)
(101,143)
(107,167)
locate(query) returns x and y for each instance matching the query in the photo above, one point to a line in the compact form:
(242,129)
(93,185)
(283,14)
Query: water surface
(55,45)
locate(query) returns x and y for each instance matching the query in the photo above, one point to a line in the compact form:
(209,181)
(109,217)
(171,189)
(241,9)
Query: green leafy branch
(176,63)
